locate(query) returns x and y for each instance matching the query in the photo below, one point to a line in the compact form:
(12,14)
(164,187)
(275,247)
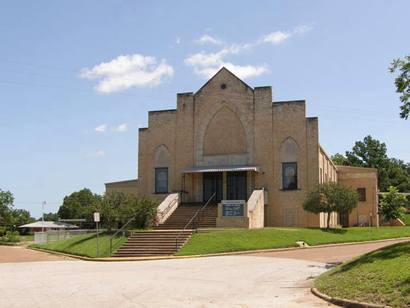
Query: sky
(77,78)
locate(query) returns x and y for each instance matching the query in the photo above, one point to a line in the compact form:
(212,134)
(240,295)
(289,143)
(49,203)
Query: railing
(192,220)
(120,230)
(166,208)
(255,209)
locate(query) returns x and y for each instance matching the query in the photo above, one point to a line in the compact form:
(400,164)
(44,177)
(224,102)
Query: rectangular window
(362,194)
(161,180)
(289,176)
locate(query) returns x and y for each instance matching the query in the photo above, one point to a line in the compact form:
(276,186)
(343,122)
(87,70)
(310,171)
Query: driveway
(13,254)
(274,279)
(330,254)
(229,281)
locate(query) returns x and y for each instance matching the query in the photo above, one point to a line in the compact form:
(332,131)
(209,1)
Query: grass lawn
(85,245)
(406,219)
(379,277)
(242,239)
(27,238)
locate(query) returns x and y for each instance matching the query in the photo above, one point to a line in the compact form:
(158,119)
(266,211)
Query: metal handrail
(119,230)
(192,219)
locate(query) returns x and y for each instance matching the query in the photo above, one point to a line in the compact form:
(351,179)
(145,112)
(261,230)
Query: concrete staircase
(153,243)
(162,241)
(185,211)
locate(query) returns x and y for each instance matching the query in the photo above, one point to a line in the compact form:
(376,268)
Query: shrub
(10,237)
(392,204)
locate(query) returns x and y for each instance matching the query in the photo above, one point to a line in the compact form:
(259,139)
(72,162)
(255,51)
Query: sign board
(233,207)
(96,217)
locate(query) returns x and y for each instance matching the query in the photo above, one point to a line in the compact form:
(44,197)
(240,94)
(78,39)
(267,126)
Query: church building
(253,158)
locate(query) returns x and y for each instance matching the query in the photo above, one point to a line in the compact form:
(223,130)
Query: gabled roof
(224,69)
(49,224)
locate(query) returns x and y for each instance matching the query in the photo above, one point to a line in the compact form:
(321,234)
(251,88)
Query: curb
(345,302)
(120,259)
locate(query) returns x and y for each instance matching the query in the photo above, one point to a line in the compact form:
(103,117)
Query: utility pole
(42,215)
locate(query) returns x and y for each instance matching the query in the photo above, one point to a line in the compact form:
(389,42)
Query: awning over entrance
(202,169)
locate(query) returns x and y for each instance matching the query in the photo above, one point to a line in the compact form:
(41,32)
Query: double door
(236,186)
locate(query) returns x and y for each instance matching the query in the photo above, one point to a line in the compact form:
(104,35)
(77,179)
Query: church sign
(233,208)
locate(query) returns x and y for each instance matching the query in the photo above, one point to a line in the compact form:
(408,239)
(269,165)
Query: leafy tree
(392,204)
(340,159)
(110,208)
(6,206)
(331,197)
(21,217)
(402,83)
(79,205)
(117,208)
(51,216)
(144,210)
(372,153)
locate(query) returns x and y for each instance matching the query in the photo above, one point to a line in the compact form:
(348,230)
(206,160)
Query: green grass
(242,239)
(27,238)
(379,277)
(406,219)
(85,245)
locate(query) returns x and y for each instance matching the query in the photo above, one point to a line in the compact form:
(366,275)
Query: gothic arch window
(161,169)
(289,152)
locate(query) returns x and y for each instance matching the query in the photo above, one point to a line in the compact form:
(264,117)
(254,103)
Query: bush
(392,204)
(10,237)
(117,208)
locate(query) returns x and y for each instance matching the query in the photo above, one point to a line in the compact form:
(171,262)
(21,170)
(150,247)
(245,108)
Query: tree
(372,153)
(79,205)
(6,206)
(402,83)
(340,160)
(392,204)
(20,217)
(110,208)
(117,208)
(51,216)
(331,197)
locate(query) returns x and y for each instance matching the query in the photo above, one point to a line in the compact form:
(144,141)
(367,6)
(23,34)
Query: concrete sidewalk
(14,254)
(330,254)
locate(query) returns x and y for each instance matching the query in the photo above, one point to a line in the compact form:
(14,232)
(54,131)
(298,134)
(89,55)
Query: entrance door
(344,219)
(236,188)
(212,182)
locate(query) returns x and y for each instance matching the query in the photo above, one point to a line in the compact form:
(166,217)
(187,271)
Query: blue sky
(77,78)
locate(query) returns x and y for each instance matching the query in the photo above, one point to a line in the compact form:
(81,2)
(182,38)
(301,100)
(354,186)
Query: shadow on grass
(334,231)
(85,239)
(405,286)
(385,253)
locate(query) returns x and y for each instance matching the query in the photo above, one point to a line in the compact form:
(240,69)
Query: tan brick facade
(227,123)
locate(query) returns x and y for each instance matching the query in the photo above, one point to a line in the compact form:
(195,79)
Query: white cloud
(207,64)
(128,71)
(279,37)
(121,128)
(302,29)
(101,128)
(276,37)
(178,41)
(207,39)
(97,153)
